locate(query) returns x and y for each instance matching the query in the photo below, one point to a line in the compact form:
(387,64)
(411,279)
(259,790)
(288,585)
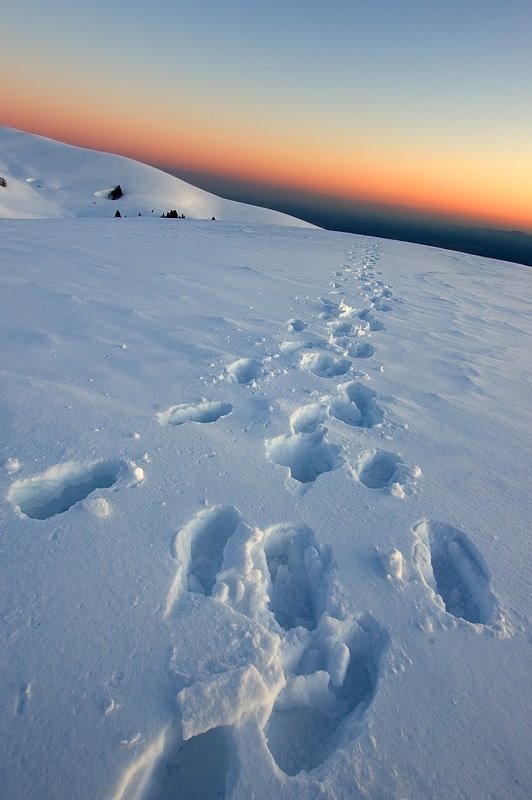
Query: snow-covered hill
(264,521)
(49,179)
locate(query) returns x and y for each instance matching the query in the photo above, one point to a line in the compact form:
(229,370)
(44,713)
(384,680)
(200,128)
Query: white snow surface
(48,179)
(265,514)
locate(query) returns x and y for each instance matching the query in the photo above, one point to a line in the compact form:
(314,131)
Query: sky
(420,104)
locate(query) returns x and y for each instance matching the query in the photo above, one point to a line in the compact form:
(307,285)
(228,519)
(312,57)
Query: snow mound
(46,179)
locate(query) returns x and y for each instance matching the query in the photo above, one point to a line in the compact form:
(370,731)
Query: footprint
(373,323)
(341,342)
(321,709)
(378,469)
(288,347)
(381,293)
(331,666)
(199,549)
(378,305)
(307,418)
(195,769)
(324,365)
(360,350)
(317,673)
(298,569)
(342,329)
(63,485)
(204,411)
(244,370)
(332,310)
(171,767)
(307,455)
(356,406)
(454,569)
(296,325)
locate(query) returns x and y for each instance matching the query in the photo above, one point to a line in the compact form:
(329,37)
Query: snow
(240,556)
(50,179)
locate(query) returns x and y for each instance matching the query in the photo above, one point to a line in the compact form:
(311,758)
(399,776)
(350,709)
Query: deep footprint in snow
(205,411)
(342,329)
(324,365)
(378,469)
(63,485)
(307,455)
(360,350)
(322,705)
(244,370)
(299,572)
(331,665)
(199,549)
(356,406)
(194,769)
(306,419)
(453,568)
(284,582)
(332,310)
(373,323)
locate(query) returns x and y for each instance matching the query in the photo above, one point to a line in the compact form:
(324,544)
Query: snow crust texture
(224,572)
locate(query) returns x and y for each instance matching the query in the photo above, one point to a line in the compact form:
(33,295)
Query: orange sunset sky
(421,105)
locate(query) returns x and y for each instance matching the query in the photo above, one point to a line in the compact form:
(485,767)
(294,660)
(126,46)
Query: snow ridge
(49,179)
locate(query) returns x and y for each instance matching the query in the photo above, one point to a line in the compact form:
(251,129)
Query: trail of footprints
(313,664)
(305,450)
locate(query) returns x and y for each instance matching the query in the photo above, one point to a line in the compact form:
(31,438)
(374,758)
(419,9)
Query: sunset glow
(356,102)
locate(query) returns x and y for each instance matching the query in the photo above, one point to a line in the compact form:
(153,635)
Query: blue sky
(426,104)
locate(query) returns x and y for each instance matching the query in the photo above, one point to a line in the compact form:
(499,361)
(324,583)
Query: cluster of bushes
(3,182)
(172,214)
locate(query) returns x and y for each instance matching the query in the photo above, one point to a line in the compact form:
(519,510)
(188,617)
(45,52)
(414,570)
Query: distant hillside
(49,179)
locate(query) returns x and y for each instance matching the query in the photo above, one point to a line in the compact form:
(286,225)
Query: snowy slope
(264,522)
(48,179)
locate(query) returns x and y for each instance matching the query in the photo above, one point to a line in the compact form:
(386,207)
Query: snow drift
(47,179)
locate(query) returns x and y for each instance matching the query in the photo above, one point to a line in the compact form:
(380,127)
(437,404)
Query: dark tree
(115,193)
(3,182)
(118,214)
